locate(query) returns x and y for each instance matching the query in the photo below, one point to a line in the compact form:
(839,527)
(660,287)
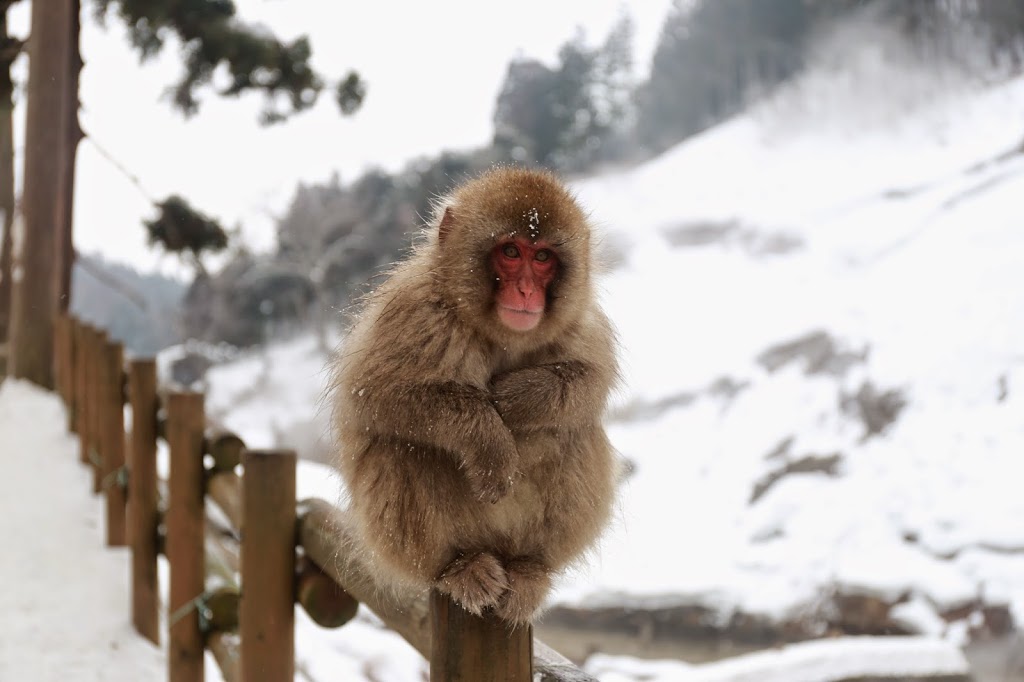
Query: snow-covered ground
(846,658)
(64,605)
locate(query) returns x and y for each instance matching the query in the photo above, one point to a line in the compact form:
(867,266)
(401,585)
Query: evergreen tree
(562,117)
(711,56)
(212,36)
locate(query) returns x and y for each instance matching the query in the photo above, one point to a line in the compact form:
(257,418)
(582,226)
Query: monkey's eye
(510,251)
(543,256)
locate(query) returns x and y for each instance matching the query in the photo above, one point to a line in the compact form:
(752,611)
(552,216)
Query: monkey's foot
(476,581)
(529,582)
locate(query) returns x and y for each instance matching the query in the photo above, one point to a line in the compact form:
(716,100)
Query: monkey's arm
(451,416)
(569,393)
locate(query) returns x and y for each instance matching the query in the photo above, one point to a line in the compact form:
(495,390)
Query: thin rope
(132,178)
(199,605)
(118,477)
(94,458)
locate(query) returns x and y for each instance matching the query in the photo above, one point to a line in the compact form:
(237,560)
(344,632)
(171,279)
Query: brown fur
(474,455)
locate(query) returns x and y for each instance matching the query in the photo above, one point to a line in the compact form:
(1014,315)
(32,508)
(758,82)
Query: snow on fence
(237,572)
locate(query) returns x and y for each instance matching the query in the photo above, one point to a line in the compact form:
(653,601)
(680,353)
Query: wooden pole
(97,413)
(224,646)
(73,134)
(323,599)
(58,355)
(88,397)
(114,473)
(69,370)
(71,355)
(224,447)
(225,489)
(65,362)
(223,485)
(468,648)
(185,422)
(267,610)
(142,507)
(81,412)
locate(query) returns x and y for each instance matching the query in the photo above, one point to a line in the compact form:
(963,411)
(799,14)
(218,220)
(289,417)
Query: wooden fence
(238,566)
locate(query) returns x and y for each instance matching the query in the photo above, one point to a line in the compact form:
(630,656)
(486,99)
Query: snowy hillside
(821,313)
(891,250)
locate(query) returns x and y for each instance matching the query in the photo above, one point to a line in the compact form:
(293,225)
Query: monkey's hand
(494,467)
(544,395)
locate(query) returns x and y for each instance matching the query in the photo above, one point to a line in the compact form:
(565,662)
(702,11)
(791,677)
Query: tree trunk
(35,303)
(74,134)
(9,50)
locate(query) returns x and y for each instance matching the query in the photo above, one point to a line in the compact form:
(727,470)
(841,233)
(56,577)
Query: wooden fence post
(71,372)
(66,362)
(267,609)
(185,552)
(95,388)
(59,347)
(468,648)
(112,442)
(88,394)
(142,507)
(81,419)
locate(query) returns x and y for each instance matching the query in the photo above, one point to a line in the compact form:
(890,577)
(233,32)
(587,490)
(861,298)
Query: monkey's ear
(447,222)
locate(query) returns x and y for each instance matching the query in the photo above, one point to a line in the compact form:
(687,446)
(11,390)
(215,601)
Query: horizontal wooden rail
(327,537)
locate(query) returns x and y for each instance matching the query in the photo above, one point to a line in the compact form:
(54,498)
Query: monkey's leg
(477,581)
(403,497)
(422,522)
(575,493)
(529,581)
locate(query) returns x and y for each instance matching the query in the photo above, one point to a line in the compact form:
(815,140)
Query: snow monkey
(469,396)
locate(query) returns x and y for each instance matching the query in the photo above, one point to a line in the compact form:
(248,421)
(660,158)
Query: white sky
(433,69)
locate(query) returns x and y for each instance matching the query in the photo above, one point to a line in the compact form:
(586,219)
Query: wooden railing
(236,573)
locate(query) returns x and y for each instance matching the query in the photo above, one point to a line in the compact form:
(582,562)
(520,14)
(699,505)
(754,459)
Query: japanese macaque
(469,397)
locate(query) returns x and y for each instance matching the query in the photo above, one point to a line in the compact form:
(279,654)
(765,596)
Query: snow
(274,397)
(845,658)
(65,601)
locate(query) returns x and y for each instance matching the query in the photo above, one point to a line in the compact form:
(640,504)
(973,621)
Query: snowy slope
(904,242)
(875,208)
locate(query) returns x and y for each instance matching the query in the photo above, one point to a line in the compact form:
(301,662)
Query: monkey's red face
(524,271)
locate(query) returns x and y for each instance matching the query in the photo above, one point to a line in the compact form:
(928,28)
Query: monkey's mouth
(519,320)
